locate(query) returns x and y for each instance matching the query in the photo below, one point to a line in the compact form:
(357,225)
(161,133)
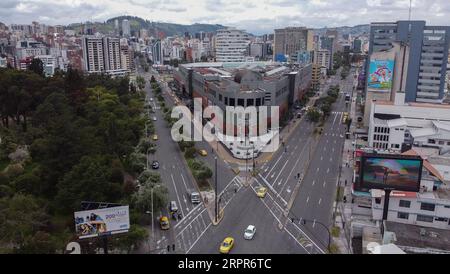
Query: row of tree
(64,139)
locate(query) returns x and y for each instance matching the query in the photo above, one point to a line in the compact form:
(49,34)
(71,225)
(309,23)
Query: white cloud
(256,16)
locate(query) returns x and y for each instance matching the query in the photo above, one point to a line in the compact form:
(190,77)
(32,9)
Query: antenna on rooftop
(410,9)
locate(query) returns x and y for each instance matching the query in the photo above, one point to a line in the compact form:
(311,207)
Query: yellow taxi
(164,223)
(226,245)
(261,192)
(203,152)
(345,117)
(155,137)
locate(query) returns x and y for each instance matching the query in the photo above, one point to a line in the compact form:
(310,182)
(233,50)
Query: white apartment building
(393,124)
(126,28)
(231,45)
(93,54)
(49,63)
(428,208)
(322,58)
(3,62)
(29,48)
(103,55)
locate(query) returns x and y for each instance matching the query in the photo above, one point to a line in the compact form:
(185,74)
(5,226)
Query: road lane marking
(176,192)
(279,158)
(189,224)
(328,170)
(314,182)
(307,200)
(281,171)
(324,184)
(320,201)
(314,223)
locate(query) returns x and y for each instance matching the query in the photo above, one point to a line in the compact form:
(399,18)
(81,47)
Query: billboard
(393,172)
(380,75)
(104,221)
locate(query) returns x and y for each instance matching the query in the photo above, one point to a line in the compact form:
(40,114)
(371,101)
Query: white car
(151,99)
(154,118)
(250,232)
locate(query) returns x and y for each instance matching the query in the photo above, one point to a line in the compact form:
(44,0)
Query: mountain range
(170,29)
(137,23)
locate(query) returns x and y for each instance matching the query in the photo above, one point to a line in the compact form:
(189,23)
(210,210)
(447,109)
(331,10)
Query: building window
(404,203)
(438,219)
(378,201)
(402,215)
(258,102)
(226,101)
(441,143)
(232,102)
(220,97)
(250,102)
(431,141)
(424,218)
(427,207)
(241,102)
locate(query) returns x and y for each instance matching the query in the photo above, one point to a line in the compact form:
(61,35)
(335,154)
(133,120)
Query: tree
(21,217)
(90,180)
(143,199)
(140,82)
(313,115)
(37,66)
(132,239)
(190,152)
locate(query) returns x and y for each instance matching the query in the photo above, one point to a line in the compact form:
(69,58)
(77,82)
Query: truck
(194,196)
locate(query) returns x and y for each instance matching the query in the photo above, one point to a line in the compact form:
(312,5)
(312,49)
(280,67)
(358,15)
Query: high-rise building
(126,28)
(93,54)
(427,58)
(357,45)
(289,41)
(102,54)
(157,53)
(322,58)
(231,45)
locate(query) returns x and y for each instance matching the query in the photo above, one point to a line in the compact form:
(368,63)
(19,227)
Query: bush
(190,153)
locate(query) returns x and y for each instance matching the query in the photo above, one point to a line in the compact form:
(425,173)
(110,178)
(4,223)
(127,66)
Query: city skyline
(260,17)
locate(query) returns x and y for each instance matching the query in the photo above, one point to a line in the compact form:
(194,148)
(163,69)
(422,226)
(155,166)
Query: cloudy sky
(256,16)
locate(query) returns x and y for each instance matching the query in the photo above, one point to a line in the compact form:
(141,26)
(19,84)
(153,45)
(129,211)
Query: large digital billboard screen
(391,172)
(380,75)
(99,222)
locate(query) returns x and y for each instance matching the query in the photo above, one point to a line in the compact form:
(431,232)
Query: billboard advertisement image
(381,75)
(391,172)
(104,221)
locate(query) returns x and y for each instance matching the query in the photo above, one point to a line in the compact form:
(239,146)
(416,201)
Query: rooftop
(410,236)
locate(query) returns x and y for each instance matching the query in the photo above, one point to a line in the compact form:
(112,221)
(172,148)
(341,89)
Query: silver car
(249,232)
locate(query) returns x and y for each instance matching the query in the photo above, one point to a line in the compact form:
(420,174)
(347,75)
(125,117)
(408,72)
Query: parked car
(155,165)
(173,207)
(164,223)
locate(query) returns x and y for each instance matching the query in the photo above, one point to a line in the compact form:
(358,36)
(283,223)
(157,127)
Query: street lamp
(152,212)
(215,196)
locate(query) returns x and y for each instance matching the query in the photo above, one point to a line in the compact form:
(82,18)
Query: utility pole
(216,209)
(153,218)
